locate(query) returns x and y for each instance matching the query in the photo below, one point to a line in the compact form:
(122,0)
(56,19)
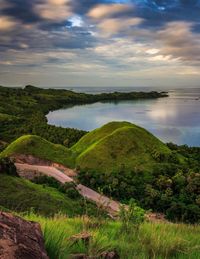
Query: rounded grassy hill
(117,145)
(114,146)
(41,148)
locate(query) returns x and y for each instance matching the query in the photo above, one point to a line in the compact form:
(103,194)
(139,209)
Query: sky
(100,43)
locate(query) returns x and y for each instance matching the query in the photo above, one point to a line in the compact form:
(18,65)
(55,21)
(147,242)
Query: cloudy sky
(100,42)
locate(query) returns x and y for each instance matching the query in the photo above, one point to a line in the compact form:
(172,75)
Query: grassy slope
(22,195)
(118,143)
(107,148)
(160,240)
(96,135)
(39,147)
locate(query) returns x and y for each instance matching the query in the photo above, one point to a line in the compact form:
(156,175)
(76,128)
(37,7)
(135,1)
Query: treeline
(171,189)
(22,111)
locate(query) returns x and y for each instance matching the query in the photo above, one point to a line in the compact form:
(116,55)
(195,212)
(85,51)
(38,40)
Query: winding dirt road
(30,171)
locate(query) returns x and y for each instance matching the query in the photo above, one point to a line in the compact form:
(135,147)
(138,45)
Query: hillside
(117,145)
(125,161)
(41,148)
(18,194)
(109,148)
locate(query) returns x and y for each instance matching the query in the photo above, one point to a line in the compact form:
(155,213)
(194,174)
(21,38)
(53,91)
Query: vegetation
(67,188)
(22,111)
(125,162)
(152,240)
(120,145)
(122,159)
(21,195)
(41,148)
(8,167)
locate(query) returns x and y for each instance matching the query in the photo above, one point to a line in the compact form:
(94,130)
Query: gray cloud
(78,36)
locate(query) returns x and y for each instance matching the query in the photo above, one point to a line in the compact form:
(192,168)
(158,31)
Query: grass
(116,144)
(153,240)
(107,148)
(22,195)
(6,117)
(41,148)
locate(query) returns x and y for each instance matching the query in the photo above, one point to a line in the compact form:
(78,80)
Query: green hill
(41,148)
(117,145)
(109,148)
(18,194)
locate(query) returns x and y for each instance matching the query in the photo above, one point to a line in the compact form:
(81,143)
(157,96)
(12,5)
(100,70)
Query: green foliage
(127,162)
(22,111)
(117,158)
(192,154)
(21,195)
(131,217)
(41,148)
(67,188)
(154,240)
(119,145)
(8,167)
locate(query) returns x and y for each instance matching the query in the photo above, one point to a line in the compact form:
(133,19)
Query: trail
(65,175)
(30,171)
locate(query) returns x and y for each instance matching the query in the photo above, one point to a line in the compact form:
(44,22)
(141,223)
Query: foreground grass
(153,240)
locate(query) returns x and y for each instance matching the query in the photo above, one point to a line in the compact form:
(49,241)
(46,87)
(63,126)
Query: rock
(104,255)
(84,237)
(109,255)
(20,239)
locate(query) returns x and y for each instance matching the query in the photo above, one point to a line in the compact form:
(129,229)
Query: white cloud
(105,10)
(115,25)
(152,51)
(7,23)
(56,10)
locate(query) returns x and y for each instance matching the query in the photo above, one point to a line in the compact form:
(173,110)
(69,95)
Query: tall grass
(153,240)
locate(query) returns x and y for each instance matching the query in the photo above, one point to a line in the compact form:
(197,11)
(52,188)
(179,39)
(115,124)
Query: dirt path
(29,171)
(46,170)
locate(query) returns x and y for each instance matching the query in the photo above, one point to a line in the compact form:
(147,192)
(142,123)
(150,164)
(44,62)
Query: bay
(172,119)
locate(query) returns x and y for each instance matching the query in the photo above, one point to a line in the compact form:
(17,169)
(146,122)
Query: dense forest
(171,189)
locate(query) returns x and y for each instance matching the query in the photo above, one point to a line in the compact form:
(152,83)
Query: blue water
(173,119)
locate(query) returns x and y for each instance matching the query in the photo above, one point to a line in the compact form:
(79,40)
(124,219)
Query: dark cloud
(83,6)
(22,10)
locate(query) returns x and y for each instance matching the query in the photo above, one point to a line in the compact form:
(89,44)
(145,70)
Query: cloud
(55,10)
(178,40)
(7,23)
(115,25)
(22,10)
(105,10)
(137,40)
(112,18)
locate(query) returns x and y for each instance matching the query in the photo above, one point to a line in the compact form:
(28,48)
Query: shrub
(7,167)
(131,216)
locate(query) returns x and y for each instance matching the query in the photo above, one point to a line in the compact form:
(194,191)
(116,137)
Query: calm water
(172,119)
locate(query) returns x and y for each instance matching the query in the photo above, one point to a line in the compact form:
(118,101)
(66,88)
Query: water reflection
(175,119)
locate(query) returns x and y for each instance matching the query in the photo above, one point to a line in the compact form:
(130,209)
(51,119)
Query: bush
(7,167)
(131,217)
